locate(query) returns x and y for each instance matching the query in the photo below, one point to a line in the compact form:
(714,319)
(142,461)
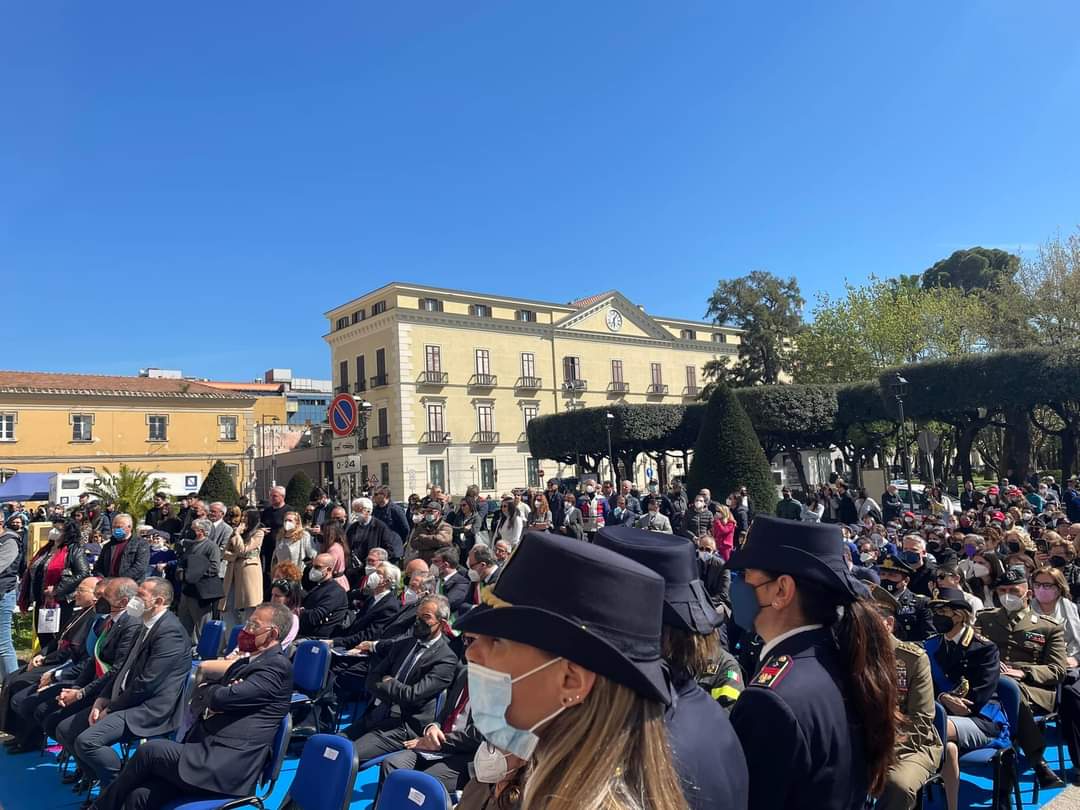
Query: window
(485,418)
(480,311)
(432,359)
(384,474)
(358,316)
(483,362)
(234,472)
(656,373)
(572,368)
(532,472)
(526,315)
(431,305)
(382,438)
(6,473)
(361,373)
(436,422)
(82,427)
(363,476)
(343,376)
(616,371)
(691,380)
(158,427)
(528,365)
(7,427)
(380,369)
(437,472)
(530,412)
(688,334)
(488,476)
(226,428)
(378,307)
(342,322)
(719,337)
(81,470)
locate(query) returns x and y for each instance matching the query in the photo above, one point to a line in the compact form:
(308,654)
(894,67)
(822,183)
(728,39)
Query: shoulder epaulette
(910,646)
(773,671)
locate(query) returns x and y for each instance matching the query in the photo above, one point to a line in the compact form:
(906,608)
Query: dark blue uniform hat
(686,602)
(588,604)
(812,552)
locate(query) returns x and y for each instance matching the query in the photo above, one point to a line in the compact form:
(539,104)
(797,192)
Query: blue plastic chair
(325,775)
(234,639)
(403,790)
(267,779)
(1042,721)
(210,637)
(1000,759)
(311,666)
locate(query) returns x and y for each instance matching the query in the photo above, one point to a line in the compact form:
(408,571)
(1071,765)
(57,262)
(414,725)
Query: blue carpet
(31,782)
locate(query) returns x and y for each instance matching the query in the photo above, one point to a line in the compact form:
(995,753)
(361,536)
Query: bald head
(324,564)
(417,568)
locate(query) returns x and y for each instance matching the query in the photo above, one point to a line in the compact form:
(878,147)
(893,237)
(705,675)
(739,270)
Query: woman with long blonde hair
(566,685)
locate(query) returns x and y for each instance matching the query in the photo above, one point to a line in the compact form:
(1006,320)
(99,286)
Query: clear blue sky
(192,185)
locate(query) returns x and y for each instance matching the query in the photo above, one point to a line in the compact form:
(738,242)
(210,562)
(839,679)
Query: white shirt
(786,635)
(375,599)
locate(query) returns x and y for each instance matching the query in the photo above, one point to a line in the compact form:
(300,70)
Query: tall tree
(131,490)
(976,268)
(769,311)
(219,485)
(1051,282)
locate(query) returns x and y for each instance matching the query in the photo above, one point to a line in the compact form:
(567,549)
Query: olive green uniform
(918,746)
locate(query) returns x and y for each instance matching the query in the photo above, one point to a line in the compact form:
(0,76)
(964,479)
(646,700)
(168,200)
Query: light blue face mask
(490,693)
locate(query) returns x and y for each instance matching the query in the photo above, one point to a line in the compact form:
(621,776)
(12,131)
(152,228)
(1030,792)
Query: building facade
(454,377)
(83,424)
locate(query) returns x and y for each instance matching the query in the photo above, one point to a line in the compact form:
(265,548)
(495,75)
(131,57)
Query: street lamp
(609,419)
(899,388)
(363,411)
(273,454)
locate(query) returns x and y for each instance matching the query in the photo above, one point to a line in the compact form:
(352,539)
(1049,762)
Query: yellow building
(80,424)
(454,377)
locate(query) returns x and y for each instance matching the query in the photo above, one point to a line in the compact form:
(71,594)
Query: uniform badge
(901,677)
(773,671)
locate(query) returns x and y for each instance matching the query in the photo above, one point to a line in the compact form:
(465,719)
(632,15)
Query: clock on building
(614,320)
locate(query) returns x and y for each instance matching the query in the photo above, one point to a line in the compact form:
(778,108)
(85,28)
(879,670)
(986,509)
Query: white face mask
(490,765)
(55,534)
(369,569)
(135,607)
(372,583)
(317,575)
(980,569)
(1011,602)
(699,504)
(289,525)
(474,575)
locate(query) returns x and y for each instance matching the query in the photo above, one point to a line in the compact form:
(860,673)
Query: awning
(27,487)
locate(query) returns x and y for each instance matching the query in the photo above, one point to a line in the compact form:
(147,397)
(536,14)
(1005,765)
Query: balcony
(435,437)
(619,387)
(483,381)
(528,384)
(656,390)
(359,387)
(485,437)
(379,380)
(341,389)
(380,441)
(433,378)
(691,392)
(361,444)
(575,385)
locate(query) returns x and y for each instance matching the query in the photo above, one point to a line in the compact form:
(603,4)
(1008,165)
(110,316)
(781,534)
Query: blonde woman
(566,685)
(294,543)
(723,531)
(243,575)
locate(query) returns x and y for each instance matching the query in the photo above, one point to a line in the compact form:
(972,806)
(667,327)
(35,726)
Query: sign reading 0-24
(614,320)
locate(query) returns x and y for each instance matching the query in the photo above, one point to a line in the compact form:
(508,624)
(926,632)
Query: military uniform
(1035,645)
(966,667)
(722,678)
(914,622)
(919,748)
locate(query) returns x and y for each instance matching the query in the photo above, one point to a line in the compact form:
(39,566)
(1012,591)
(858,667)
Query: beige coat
(244,572)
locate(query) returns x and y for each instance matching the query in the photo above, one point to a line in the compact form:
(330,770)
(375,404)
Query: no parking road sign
(342,415)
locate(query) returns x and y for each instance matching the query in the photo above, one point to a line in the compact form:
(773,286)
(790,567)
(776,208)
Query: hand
(46,679)
(99,710)
(432,740)
(1016,674)
(409,745)
(37,661)
(956,705)
(49,591)
(67,697)
(365,646)
(160,566)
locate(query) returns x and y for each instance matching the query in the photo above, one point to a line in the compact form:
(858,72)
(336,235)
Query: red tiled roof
(583,303)
(272,388)
(37,382)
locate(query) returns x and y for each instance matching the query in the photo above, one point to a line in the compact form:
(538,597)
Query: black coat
(474,587)
(76,569)
(914,620)
(402,624)
(370,624)
(226,753)
(113,650)
(362,539)
(411,701)
(150,700)
(456,590)
(134,560)
(325,608)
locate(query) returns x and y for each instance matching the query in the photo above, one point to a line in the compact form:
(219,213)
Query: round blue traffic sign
(342,415)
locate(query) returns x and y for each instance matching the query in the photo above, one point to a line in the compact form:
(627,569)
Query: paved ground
(1069,799)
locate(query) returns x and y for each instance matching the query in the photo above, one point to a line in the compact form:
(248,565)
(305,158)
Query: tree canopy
(976,268)
(219,486)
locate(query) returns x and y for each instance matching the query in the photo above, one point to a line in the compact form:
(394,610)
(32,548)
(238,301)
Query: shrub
(219,486)
(298,491)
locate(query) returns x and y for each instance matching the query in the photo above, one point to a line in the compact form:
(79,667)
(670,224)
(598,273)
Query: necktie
(410,662)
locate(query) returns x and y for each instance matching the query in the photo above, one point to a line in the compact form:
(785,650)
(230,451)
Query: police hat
(812,552)
(950,597)
(1011,576)
(884,600)
(894,563)
(686,602)
(603,612)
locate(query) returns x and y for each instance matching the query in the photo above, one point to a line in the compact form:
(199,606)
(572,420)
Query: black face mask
(102,607)
(421,632)
(1014,548)
(889,585)
(1058,562)
(943,624)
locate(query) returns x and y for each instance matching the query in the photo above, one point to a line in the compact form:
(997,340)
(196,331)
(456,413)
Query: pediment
(602,316)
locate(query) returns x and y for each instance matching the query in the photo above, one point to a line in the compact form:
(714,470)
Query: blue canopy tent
(27,487)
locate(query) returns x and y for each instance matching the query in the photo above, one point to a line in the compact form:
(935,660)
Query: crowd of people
(761,662)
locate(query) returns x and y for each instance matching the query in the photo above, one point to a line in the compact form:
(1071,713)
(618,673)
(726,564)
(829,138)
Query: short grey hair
(442,606)
(379,552)
(218,504)
(123,516)
(280,617)
(363,503)
(391,573)
(201,525)
(914,538)
(483,554)
(125,587)
(278,489)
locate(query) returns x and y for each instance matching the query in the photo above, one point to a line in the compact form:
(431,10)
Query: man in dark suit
(380,606)
(390,513)
(455,582)
(140,698)
(368,532)
(483,572)
(326,605)
(404,682)
(569,523)
(125,555)
(236,721)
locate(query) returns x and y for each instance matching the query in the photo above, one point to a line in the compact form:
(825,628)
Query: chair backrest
(278,748)
(325,775)
(311,664)
(179,726)
(234,639)
(210,640)
(412,790)
(941,723)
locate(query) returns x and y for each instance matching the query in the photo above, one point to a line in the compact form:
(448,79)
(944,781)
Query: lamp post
(609,420)
(273,454)
(899,387)
(363,411)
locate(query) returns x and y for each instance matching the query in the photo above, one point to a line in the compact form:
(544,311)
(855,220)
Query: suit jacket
(400,626)
(113,650)
(457,591)
(325,608)
(568,523)
(200,565)
(370,624)
(468,739)
(134,561)
(220,534)
(410,701)
(654,523)
(474,587)
(226,752)
(376,534)
(156,678)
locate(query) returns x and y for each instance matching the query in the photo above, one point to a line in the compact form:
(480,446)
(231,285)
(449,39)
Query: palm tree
(131,490)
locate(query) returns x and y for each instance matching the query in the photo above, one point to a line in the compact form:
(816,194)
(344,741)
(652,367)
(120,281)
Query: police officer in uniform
(1032,652)
(817,721)
(919,748)
(704,748)
(913,619)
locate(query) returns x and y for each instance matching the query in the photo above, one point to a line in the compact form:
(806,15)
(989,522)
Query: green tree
(298,491)
(219,486)
(769,311)
(976,268)
(728,455)
(131,490)
(1051,283)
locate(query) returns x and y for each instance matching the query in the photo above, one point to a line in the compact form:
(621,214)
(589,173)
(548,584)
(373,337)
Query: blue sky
(192,185)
